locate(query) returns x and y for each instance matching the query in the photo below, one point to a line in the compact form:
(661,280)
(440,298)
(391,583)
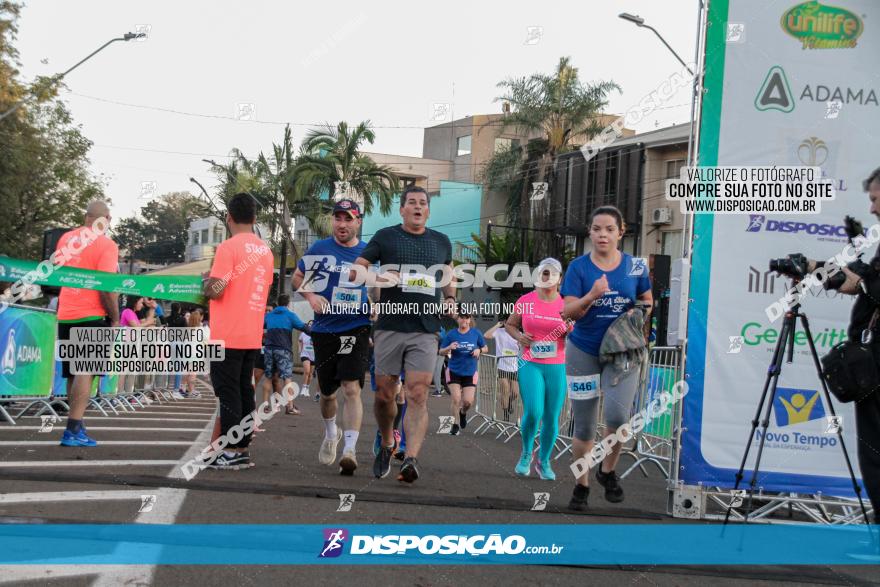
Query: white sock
(351,438)
(330,428)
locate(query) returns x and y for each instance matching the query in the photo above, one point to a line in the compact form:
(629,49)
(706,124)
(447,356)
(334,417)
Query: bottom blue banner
(593,544)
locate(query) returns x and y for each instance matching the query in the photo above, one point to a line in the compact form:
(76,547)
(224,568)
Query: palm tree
(564,110)
(329,155)
(271,181)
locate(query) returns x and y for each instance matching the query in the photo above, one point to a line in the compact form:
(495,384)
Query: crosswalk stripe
(74,463)
(100,443)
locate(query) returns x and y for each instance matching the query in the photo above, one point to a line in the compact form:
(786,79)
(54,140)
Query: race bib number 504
(583,386)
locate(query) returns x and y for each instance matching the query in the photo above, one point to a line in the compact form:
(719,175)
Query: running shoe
(377,444)
(400,455)
(437,393)
(462,420)
(611,483)
(317,397)
(382,464)
(409,472)
(327,452)
(545,472)
(348,463)
(524,466)
(78,439)
(292,411)
(455,429)
(233,462)
(578,501)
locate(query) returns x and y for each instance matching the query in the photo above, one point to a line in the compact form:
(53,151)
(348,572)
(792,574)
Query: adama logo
(7,366)
(822,27)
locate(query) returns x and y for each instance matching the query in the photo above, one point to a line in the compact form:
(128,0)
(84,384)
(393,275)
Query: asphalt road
(465,479)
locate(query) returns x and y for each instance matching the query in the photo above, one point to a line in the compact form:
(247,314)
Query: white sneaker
(348,463)
(327,452)
(304,391)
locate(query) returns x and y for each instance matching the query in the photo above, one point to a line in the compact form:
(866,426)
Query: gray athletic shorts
(619,398)
(394,351)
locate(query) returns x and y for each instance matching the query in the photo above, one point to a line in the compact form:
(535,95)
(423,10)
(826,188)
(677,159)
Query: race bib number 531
(583,386)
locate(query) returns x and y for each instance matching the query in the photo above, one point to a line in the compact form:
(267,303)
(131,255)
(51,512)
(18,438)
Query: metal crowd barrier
(654,443)
(501,413)
(488,404)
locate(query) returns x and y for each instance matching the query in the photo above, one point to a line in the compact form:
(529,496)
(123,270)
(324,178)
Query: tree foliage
(158,233)
(331,154)
(565,110)
(45,180)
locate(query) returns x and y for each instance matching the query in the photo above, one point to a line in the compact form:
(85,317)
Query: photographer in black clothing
(862,279)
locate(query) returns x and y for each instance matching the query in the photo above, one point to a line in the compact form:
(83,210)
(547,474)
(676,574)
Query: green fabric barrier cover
(180,288)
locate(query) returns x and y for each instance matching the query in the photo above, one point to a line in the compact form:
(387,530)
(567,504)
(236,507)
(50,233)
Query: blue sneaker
(524,465)
(377,444)
(545,472)
(78,439)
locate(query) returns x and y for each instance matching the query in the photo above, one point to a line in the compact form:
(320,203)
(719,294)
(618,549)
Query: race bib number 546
(583,386)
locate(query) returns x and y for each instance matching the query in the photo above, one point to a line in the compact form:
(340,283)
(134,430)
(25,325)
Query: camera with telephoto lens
(795,266)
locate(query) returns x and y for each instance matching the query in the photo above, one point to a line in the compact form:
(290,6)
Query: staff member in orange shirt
(238,286)
(85,247)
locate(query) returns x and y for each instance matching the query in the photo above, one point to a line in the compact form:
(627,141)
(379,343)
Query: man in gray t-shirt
(407,338)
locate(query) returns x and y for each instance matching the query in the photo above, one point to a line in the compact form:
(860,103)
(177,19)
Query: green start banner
(27,350)
(181,288)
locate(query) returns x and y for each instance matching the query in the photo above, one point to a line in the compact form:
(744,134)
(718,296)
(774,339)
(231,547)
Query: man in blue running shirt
(341,330)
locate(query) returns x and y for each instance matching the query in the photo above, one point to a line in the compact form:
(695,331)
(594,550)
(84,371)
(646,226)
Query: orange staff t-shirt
(246,264)
(99,254)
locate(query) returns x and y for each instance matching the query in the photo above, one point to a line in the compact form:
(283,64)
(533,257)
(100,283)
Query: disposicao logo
(334,542)
(796,406)
(759,222)
(756,221)
(822,27)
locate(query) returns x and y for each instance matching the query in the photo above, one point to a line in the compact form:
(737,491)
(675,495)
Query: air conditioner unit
(661,216)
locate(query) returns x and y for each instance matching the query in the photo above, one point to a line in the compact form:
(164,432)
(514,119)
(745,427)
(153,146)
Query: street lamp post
(58,77)
(640,22)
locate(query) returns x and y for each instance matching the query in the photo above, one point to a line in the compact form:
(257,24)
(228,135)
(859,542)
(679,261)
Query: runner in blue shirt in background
(466,344)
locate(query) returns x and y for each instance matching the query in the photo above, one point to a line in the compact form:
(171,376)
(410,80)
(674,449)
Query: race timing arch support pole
(687,237)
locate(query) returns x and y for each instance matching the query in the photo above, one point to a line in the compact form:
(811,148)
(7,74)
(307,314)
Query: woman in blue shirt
(599,287)
(465,344)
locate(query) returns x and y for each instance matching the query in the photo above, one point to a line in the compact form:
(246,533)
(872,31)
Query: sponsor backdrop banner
(787,83)
(181,288)
(378,544)
(27,350)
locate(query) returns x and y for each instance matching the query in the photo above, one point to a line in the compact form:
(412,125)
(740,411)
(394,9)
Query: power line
(308,124)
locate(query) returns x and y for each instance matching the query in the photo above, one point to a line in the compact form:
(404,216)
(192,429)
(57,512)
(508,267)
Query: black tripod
(786,342)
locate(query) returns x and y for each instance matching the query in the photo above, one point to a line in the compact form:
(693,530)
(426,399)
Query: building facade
(204,234)
(631,174)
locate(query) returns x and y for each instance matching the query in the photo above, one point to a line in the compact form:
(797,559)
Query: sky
(156,108)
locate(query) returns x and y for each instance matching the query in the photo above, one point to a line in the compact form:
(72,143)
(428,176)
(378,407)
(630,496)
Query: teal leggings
(542,388)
